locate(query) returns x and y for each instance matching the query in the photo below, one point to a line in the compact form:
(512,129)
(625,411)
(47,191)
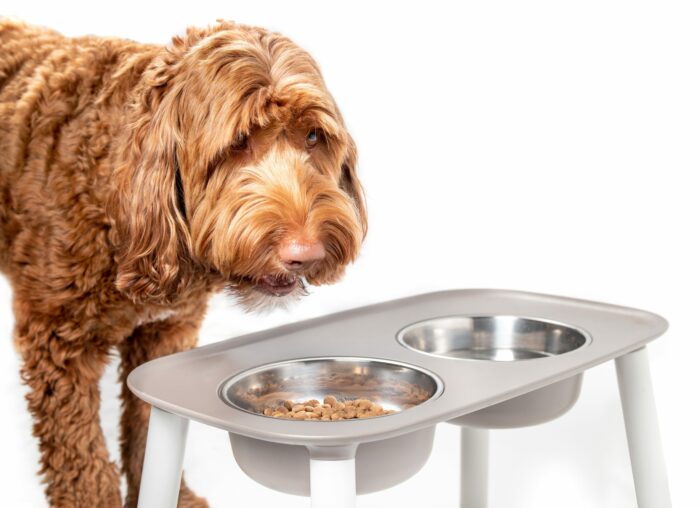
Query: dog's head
(235,163)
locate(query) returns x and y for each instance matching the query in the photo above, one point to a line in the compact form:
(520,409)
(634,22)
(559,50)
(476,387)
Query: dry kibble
(330,410)
(364,404)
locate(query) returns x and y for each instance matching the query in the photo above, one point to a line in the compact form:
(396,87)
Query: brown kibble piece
(330,400)
(364,404)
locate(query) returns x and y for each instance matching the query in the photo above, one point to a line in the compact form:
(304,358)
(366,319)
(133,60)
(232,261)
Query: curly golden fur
(135,181)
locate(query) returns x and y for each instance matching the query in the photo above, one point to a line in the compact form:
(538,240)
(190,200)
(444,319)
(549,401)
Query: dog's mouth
(276,285)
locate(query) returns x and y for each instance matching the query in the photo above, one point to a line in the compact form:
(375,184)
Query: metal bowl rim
(228,382)
(588,338)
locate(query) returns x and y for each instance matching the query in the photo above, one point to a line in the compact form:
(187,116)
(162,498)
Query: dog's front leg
(62,368)
(146,343)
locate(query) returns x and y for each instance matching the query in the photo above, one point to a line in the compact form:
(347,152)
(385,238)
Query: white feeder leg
(162,463)
(333,483)
(643,436)
(474,474)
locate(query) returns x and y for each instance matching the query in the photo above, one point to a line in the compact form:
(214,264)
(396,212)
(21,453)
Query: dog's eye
(312,138)
(240,143)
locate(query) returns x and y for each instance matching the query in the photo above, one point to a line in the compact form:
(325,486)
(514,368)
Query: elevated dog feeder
(481,359)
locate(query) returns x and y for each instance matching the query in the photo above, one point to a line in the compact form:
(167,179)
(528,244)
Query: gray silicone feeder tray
(481,358)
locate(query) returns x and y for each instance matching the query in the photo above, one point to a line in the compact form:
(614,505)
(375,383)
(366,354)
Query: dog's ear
(351,184)
(150,232)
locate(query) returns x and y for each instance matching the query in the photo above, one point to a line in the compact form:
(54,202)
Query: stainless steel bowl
(503,339)
(379,464)
(495,338)
(392,385)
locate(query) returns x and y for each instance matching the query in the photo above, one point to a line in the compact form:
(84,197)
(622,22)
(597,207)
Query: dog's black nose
(296,254)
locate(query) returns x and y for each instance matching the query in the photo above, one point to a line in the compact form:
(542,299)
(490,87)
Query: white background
(549,146)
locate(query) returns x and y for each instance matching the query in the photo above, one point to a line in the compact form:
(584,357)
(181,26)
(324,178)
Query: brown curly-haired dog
(135,181)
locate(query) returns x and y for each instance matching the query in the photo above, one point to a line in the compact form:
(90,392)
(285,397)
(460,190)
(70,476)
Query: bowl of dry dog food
(332,391)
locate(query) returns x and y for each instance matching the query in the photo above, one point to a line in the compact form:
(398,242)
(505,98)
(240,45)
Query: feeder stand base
(162,462)
(332,483)
(643,436)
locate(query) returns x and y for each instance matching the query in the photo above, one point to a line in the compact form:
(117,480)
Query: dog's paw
(189,499)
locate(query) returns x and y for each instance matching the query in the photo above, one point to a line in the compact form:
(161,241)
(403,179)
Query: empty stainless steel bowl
(503,339)
(495,338)
(379,464)
(392,385)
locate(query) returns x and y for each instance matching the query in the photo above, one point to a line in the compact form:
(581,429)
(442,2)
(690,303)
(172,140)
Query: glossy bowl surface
(493,338)
(393,385)
(380,464)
